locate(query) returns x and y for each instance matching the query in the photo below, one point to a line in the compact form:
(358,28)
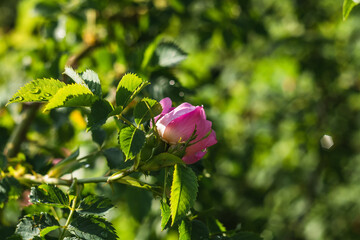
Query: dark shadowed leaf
(30,227)
(115,158)
(3,161)
(50,195)
(131,141)
(146,109)
(99,113)
(139,202)
(92,227)
(199,230)
(94,205)
(98,135)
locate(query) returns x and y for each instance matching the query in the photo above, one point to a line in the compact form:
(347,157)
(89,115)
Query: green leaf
(168,54)
(46,230)
(98,135)
(348,6)
(38,90)
(117,110)
(92,227)
(94,204)
(73,95)
(146,109)
(132,141)
(99,113)
(31,226)
(165,214)
(183,192)
(66,165)
(49,195)
(129,86)
(115,158)
(185,230)
(92,81)
(160,161)
(69,71)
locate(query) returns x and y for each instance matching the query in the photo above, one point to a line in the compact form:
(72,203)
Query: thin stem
(54,213)
(127,121)
(72,211)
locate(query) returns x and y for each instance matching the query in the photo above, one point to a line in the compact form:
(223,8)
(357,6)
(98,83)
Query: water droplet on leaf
(42,98)
(104,234)
(47,94)
(35,91)
(87,165)
(18,98)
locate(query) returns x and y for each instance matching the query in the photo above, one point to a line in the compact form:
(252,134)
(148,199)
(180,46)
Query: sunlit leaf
(39,90)
(348,6)
(183,192)
(73,95)
(128,87)
(50,195)
(185,230)
(92,81)
(165,214)
(70,72)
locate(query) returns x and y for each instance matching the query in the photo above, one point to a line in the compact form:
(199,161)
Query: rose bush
(177,125)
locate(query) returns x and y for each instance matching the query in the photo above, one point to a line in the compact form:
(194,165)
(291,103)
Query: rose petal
(184,126)
(166,104)
(193,158)
(181,110)
(203,144)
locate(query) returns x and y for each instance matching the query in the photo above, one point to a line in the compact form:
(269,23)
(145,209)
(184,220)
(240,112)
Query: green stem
(72,211)
(127,121)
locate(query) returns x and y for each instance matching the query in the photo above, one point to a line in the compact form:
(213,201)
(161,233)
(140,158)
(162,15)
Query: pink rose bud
(178,124)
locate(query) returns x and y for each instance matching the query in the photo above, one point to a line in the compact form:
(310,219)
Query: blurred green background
(273,76)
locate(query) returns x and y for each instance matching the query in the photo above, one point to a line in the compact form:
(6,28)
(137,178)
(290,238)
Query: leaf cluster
(84,218)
